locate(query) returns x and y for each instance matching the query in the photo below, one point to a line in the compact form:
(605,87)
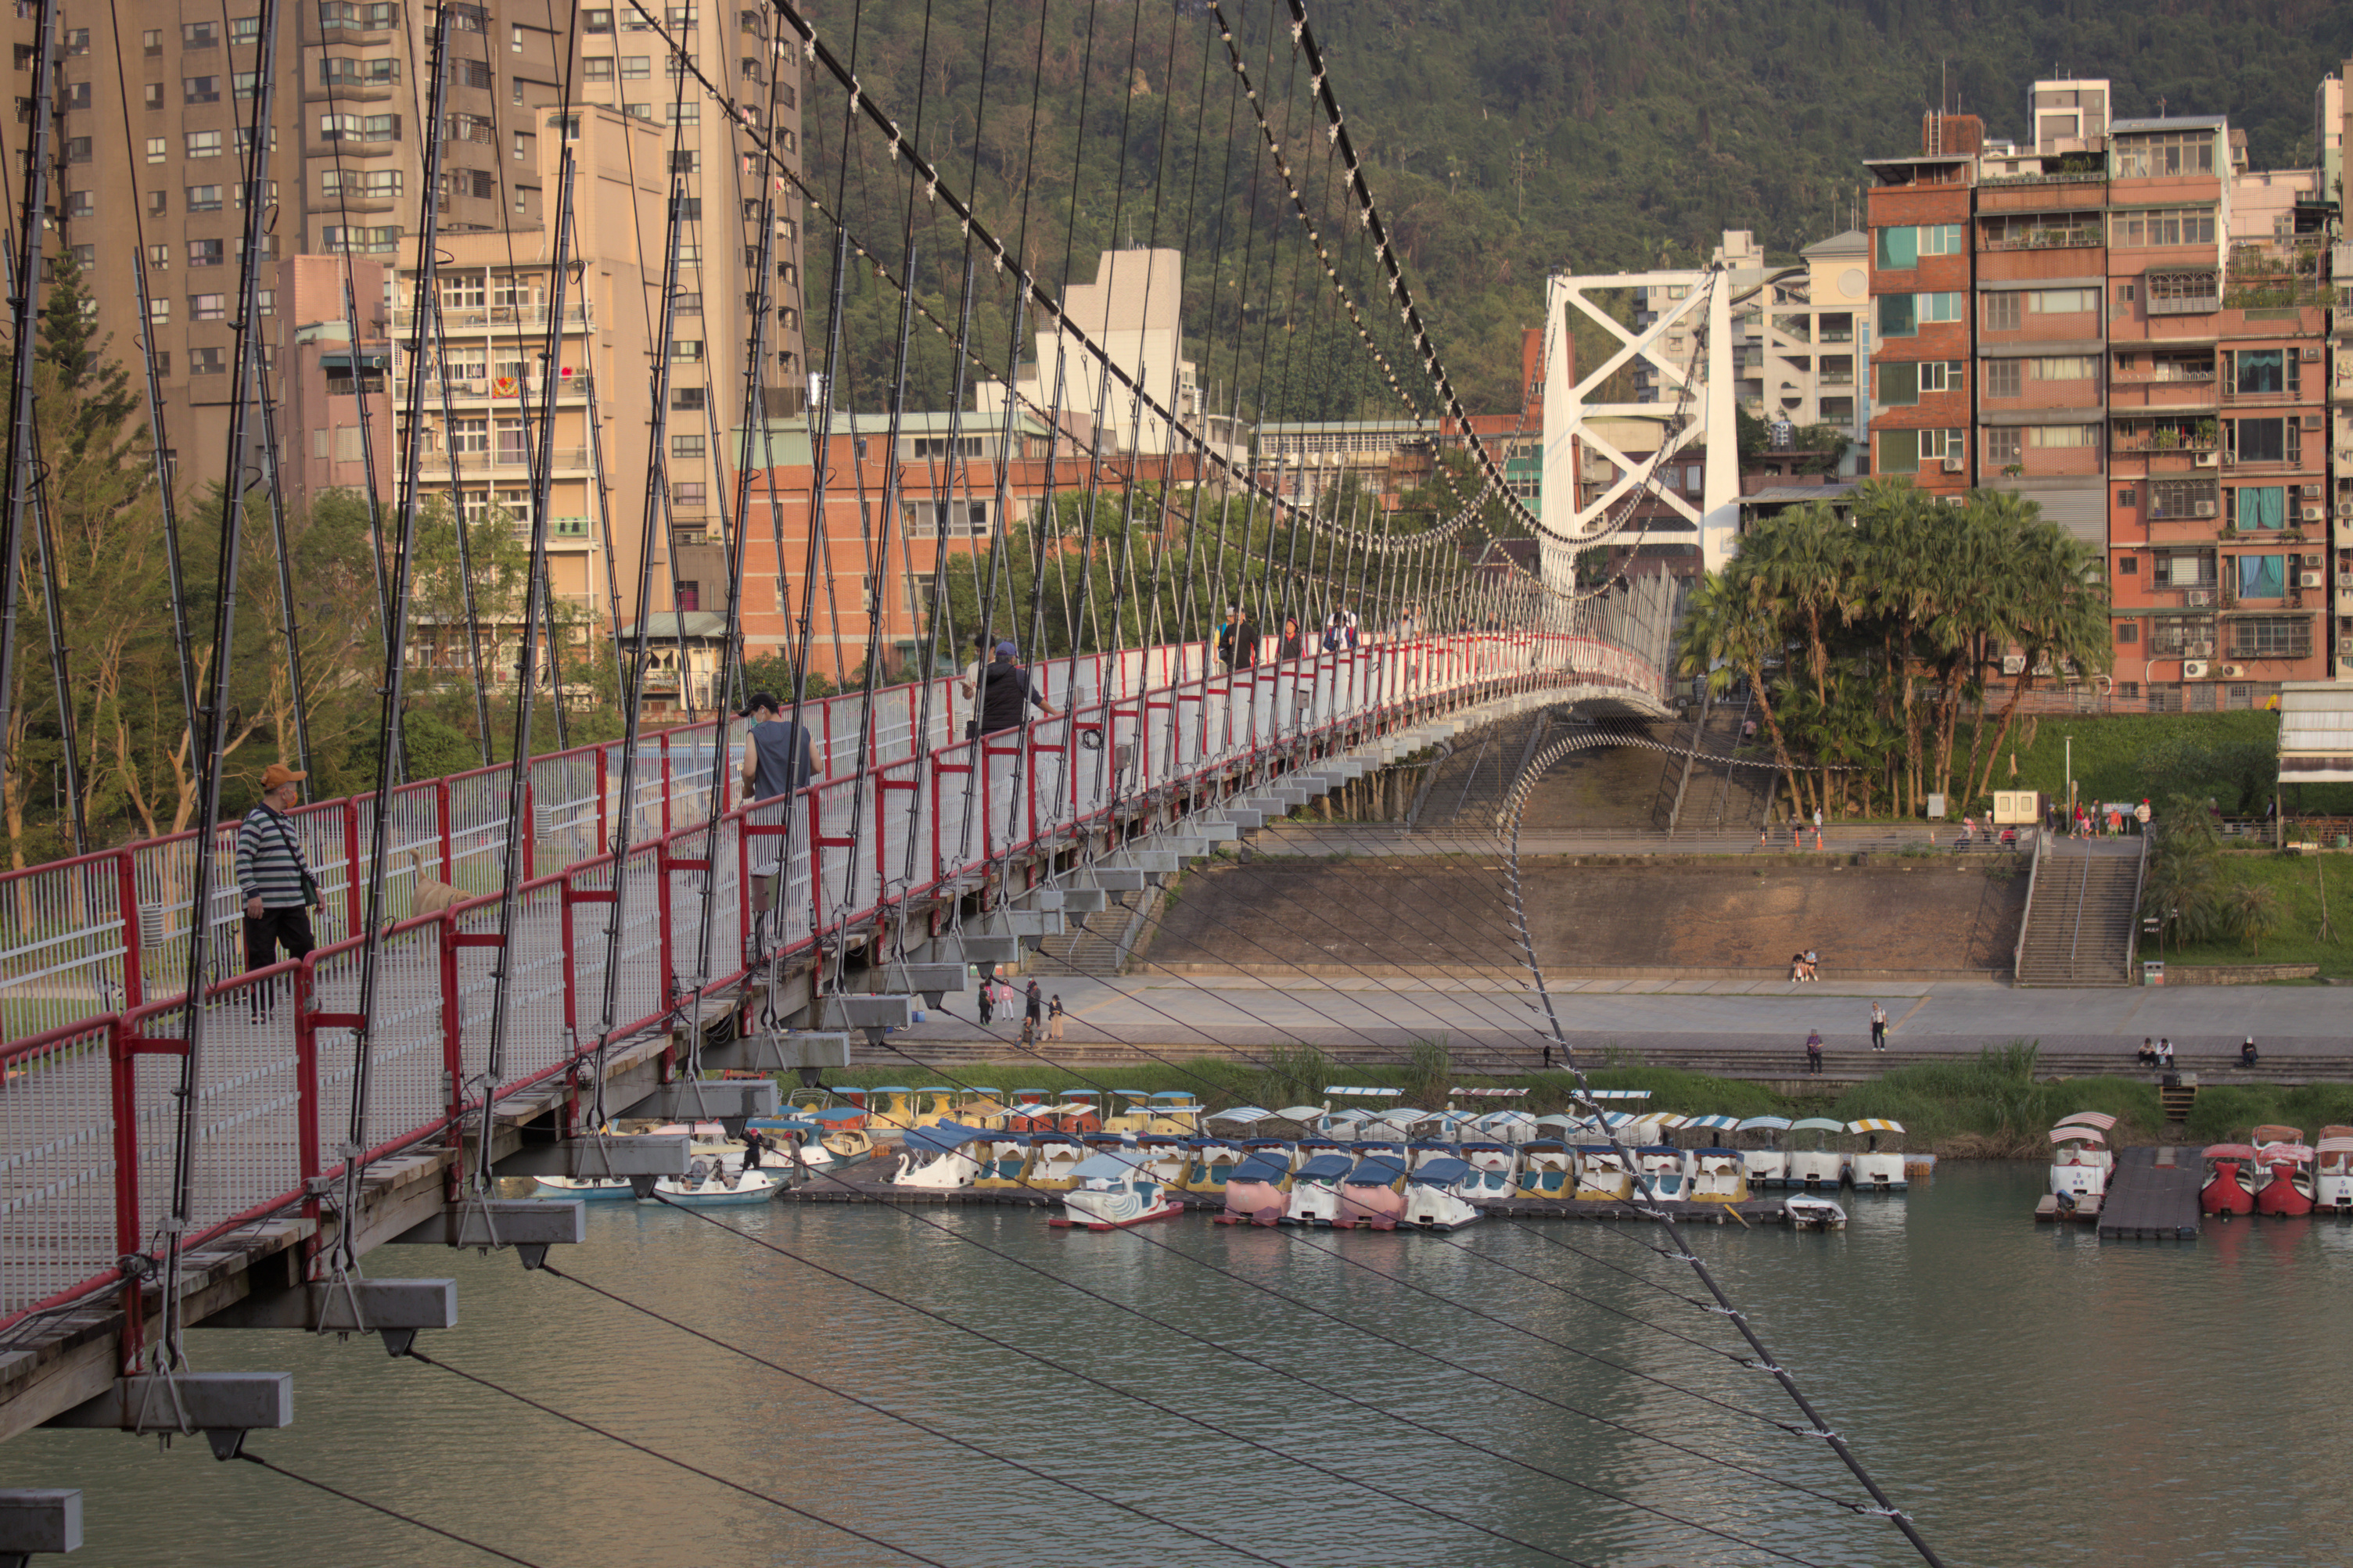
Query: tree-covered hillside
(1507,137)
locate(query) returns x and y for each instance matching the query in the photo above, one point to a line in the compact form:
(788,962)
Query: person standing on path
(279,889)
(1036,1012)
(1878,1027)
(1054,1017)
(987,1002)
(1813,1053)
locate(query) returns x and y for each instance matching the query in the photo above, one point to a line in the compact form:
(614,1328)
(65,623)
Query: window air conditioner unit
(2312,421)
(2315,514)
(2013,664)
(2308,353)
(2207,460)
(1953,465)
(2193,669)
(2311,557)
(2345,512)
(2308,578)
(2198,598)
(2206,508)
(2232,671)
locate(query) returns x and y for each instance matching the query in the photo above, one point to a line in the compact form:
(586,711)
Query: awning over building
(2316,732)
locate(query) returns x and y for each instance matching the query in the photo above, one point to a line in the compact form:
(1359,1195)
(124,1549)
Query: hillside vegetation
(1506,138)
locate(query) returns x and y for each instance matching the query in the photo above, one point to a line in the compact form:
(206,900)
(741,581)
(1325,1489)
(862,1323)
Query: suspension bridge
(182,1144)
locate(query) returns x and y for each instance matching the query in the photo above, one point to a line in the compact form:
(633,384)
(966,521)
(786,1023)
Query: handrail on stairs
(2026,916)
(2083,896)
(2140,883)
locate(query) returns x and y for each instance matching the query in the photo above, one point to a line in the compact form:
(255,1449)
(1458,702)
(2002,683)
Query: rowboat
(1761,1155)
(1110,1190)
(1872,1167)
(2229,1187)
(711,1187)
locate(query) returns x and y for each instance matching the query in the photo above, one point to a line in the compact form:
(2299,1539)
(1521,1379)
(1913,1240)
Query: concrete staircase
(1096,944)
(2082,916)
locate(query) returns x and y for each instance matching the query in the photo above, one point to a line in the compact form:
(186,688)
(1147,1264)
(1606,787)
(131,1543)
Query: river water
(2030,1394)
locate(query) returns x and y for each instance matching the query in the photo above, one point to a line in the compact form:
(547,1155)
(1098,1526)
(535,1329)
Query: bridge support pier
(39,1519)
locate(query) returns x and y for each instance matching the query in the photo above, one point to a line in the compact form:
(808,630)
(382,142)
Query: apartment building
(349,85)
(2121,322)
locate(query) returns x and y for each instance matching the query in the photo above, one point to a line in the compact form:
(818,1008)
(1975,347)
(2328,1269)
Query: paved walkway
(1725,1015)
(1379,838)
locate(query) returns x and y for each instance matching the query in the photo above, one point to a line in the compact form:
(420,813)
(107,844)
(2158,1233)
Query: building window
(1901,248)
(686,446)
(245,29)
(597,68)
(2067,367)
(690,495)
(937,446)
(2173,499)
(204,198)
(687,399)
(2254,507)
(204,143)
(245,84)
(2271,636)
(359,128)
(207,306)
(2160,227)
(2127,631)
(81,204)
(2261,576)
(686,351)
(687,113)
(265,301)
(2173,152)
(2257,441)
(636,67)
(207,361)
(1909,451)
(599,21)
(152,94)
(2002,312)
(2127,498)
(207,252)
(2002,378)
(2058,436)
(199,35)
(364,184)
(2002,448)
(359,73)
(2259,372)
(1902,315)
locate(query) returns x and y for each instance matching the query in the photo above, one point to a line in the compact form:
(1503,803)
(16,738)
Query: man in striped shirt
(276,885)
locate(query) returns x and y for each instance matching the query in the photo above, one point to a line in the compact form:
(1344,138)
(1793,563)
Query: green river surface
(2029,1394)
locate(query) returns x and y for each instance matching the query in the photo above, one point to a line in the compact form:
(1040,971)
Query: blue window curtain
(2262,576)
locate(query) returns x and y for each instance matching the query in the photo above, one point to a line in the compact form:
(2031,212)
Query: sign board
(1936,809)
(2017,807)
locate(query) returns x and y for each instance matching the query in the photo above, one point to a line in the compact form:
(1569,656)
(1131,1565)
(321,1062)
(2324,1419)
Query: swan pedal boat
(940,1157)
(1111,1190)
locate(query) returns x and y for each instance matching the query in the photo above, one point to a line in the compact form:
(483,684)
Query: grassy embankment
(1988,1107)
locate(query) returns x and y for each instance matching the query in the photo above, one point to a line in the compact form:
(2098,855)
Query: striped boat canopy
(1817,1124)
(1720,1123)
(2062,1132)
(2099,1118)
(2296,1152)
(1244,1115)
(1364,1093)
(1494,1093)
(1875,1124)
(1777,1123)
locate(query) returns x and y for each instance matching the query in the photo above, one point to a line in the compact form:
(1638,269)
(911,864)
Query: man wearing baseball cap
(272,874)
(778,759)
(1004,692)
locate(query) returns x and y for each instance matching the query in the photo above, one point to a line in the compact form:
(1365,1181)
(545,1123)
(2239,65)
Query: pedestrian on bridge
(279,889)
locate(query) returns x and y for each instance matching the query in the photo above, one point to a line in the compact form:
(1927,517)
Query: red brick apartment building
(2123,324)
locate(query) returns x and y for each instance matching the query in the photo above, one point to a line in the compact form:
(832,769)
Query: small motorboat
(1761,1156)
(1602,1174)
(2230,1180)
(1110,1190)
(2080,1161)
(1315,1185)
(1812,1161)
(707,1184)
(1258,1190)
(2283,1180)
(1548,1168)
(1494,1171)
(1433,1195)
(1004,1159)
(939,1157)
(2332,1176)
(1871,1167)
(1210,1162)
(1715,1176)
(1813,1214)
(1373,1195)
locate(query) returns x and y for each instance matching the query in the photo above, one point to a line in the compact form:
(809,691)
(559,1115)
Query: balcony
(2086,238)
(1835,378)
(2265,276)
(2195,293)
(2179,440)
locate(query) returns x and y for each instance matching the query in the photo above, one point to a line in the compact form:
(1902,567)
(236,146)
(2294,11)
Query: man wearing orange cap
(277,884)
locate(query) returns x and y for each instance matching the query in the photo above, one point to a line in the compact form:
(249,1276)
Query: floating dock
(2153,1196)
(845,1190)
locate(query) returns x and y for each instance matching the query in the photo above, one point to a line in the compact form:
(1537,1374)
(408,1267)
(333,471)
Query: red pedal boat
(2228,1188)
(2285,1180)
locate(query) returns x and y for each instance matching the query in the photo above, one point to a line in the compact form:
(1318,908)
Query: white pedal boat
(1762,1157)
(1315,1185)
(1715,1176)
(1871,1168)
(2332,1177)
(1113,1189)
(1433,1195)
(1812,1161)
(2080,1161)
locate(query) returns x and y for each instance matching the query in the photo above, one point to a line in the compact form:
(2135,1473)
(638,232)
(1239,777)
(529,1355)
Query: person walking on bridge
(279,890)
(779,759)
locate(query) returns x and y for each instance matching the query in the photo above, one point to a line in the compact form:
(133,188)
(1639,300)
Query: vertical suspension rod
(23,311)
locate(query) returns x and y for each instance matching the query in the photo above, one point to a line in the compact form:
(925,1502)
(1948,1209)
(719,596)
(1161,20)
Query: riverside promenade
(2292,1025)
